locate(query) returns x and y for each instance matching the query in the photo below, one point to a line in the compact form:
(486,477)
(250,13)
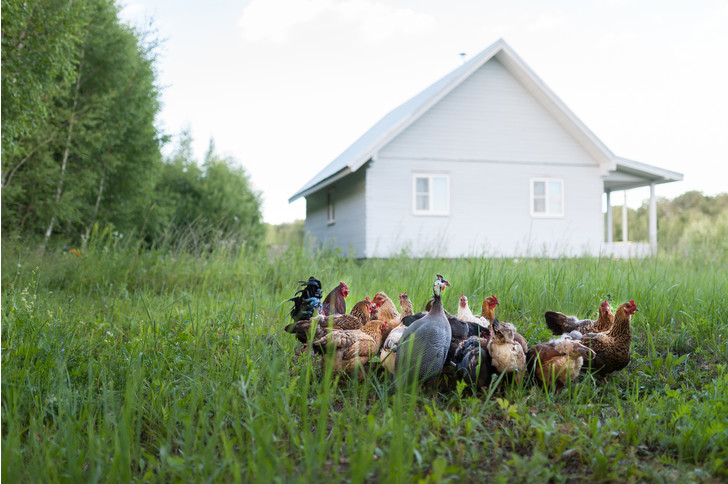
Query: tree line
(688,222)
(80,147)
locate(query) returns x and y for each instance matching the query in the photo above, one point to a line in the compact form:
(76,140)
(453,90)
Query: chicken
(386,310)
(306,300)
(611,347)
(422,350)
(386,355)
(473,362)
(487,309)
(335,301)
(559,323)
(352,348)
(557,362)
(465,314)
(488,312)
(506,354)
(406,304)
(322,324)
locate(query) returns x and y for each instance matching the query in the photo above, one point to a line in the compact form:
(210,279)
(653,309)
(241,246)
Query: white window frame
(548,213)
(430,177)
(330,208)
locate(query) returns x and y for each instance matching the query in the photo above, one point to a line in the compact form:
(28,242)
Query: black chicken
(306,300)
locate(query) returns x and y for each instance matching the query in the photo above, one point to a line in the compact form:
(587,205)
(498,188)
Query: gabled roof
(366,147)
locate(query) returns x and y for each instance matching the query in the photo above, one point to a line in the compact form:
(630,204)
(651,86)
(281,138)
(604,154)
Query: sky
(284,86)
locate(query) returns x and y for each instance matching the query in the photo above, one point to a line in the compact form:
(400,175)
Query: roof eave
(322,184)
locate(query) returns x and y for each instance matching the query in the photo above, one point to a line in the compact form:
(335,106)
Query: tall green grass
(130,365)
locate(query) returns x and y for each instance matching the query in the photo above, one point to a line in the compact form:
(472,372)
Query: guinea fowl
(422,350)
(359,316)
(465,314)
(557,361)
(506,353)
(611,347)
(352,348)
(335,301)
(559,323)
(386,355)
(473,362)
(306,300)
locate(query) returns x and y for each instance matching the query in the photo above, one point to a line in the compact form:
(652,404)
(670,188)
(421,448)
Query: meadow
(126,365)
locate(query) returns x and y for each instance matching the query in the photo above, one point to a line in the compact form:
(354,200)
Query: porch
(627,175)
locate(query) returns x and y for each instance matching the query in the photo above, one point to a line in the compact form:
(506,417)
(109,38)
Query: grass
(121,365)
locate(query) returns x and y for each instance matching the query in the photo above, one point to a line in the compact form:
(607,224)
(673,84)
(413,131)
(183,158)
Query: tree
(206,203)
(94,156)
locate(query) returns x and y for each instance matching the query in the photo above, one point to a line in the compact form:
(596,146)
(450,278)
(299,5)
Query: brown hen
(359,316)
(559,323)
(557,361)
(352,348)
(611,347)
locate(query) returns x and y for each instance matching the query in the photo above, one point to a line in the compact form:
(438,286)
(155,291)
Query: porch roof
(629,174)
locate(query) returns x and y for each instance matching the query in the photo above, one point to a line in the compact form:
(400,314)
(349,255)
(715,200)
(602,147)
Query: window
(330,209)
(431,194)
(547,197)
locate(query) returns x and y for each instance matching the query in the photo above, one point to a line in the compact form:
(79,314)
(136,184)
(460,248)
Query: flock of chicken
(424,346)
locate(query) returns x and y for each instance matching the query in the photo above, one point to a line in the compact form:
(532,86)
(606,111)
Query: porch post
(609,217)
(653,218)
(625,231)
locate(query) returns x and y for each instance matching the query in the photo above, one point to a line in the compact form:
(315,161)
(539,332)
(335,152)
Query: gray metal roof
(366,147)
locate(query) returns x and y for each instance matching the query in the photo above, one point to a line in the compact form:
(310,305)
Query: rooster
(422,350)
(465,314)
(352,348)
(506,353)
(386,354)
(611,347)
(335,301)
(356,320)
(306,300)
(559,323)
(557,361)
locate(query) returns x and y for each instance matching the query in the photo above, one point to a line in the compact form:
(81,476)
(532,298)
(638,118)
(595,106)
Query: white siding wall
(491,136)
(348,230)
(490,211)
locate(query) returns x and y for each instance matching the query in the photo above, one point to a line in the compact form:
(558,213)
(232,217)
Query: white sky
(284,86)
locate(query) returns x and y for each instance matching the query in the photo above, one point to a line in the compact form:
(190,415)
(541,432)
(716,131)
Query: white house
(486,161)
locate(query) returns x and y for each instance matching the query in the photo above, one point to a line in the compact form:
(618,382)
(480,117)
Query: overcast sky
(284,86)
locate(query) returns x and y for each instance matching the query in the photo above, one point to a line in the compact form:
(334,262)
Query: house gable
(492,117)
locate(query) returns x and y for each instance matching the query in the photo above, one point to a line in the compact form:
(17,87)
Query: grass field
(120,365)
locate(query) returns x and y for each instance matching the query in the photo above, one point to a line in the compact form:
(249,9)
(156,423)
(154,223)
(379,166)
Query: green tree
(205,204)
(95,156)
(40,41)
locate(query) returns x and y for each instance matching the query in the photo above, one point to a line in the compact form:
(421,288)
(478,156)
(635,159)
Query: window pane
(439,194)
(423,202)
(539,188)
(555,197)
(539,205)
(555,205)
(422,185)
(554,189)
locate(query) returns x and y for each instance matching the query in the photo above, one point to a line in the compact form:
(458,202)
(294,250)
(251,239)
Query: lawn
(125,365)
